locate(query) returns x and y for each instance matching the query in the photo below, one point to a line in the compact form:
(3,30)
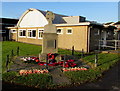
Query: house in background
(116,26)
(117,30)
(72,30)
(4,31)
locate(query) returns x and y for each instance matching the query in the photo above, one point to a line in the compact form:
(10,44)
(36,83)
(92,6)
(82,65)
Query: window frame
(61,30)
(69,29)
(32,34)
(12,30)
(22,31)
(42,30)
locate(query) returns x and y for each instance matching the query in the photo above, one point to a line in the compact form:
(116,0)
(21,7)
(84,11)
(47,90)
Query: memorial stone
(50,37)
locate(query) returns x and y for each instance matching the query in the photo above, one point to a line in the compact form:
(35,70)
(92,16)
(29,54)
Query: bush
(105,61)
(32,80)
(9,76)
(82,76)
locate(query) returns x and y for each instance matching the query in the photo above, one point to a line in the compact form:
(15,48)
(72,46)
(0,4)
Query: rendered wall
(78,38)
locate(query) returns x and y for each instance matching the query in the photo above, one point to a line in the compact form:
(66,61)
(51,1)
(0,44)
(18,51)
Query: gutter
(78,24)
(88,39)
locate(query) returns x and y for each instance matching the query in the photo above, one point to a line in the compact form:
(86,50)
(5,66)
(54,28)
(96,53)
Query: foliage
(9,76)
(32,80)
(82,76)
(105,61)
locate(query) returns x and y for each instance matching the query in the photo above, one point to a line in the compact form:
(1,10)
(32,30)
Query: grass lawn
(105,61)
(25,50)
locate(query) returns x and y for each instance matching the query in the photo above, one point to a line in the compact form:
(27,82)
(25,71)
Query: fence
(16,52)
(9,58)
(109,44)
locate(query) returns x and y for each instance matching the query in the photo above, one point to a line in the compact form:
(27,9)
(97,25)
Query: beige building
(72,30)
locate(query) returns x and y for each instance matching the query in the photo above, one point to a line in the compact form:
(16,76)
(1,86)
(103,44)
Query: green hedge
(32,80)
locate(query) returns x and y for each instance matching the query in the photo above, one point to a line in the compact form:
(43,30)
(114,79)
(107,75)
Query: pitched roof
(117,23)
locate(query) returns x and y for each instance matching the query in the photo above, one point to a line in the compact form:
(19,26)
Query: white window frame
(70,29)
(19,33)
(40,31)
(61,30)
(12,30)
(31,30)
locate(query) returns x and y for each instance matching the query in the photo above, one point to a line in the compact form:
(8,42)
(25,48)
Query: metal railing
(109,44)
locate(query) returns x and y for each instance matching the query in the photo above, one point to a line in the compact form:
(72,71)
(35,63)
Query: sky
(101,12)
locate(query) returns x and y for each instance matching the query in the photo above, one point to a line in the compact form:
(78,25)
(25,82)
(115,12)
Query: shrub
(82,76)
(105,61)
(32,80)
(9,76)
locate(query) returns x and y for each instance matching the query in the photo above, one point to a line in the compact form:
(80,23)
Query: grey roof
(58,18)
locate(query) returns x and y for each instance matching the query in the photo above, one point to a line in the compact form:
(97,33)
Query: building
(117,30)
(4,31)
(72,30)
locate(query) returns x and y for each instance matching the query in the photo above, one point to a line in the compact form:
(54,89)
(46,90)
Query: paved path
(59,77)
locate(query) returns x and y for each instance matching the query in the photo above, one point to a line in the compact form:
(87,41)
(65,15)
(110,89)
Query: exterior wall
(13,36)
(26,39)
(94,38)
(78,38)
(117,31)
(32,18)
(74,19)
(31,40)
(103,34)
(4,31)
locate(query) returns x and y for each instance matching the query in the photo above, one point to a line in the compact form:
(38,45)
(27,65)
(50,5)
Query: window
(2,31)
(13,31)
(40,34)
(69,31)
(97,32)
(31,33)
(108,32)
(59,31)
(22,33)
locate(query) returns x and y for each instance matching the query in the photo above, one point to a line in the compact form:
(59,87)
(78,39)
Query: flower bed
(67,63)
(74,69)
(30,59)
(34,71)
